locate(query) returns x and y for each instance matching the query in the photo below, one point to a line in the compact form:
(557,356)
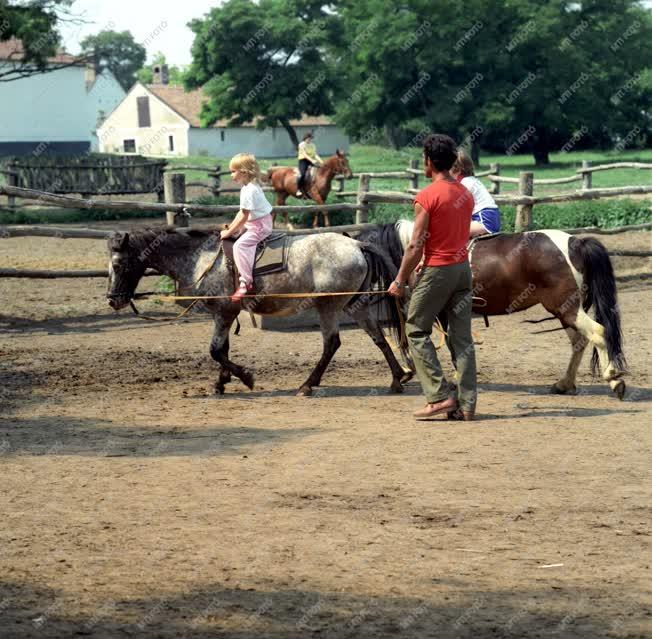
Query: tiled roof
(12,49)
(188,105)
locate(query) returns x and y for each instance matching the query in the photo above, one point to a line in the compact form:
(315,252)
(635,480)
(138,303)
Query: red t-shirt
(449,205)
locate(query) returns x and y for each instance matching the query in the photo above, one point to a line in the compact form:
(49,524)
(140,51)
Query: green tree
(35,24)
(265,61)
(146,75)
(118,52)
(515,76)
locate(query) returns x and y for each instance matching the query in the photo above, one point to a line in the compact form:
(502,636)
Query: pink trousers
(244,249)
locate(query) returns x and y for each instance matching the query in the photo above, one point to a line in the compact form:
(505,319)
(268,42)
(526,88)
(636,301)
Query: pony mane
(404,231)
(142,239)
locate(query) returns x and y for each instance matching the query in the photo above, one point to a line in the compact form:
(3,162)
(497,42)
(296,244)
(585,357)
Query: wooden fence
(178,211)
(95,174)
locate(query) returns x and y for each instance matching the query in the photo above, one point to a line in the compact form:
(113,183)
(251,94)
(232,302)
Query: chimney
(160,74)
(89,75)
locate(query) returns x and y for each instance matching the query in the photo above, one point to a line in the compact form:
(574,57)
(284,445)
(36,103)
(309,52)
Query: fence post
(414,178)
(587,178)
(524,211)
(12,180)
(217,181)
(361,214)
(174,185)
(494,169)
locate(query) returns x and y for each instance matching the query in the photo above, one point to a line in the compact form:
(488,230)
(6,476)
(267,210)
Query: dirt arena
(137,504)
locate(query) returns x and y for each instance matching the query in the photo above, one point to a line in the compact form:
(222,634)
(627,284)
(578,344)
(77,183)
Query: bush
(604,214)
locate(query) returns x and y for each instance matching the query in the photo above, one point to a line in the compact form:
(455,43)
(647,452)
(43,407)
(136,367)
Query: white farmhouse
(53,112)
(160,119)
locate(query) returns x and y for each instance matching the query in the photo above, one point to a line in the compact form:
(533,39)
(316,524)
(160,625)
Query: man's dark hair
(441,150)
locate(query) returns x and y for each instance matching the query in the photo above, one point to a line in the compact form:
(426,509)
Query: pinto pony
(567,275)
(284,180)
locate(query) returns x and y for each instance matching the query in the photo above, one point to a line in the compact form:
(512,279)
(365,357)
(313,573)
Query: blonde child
(254,216)
(486,215)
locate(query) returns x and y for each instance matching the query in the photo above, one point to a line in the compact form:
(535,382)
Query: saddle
(271,255)
(481,238)
(311,175)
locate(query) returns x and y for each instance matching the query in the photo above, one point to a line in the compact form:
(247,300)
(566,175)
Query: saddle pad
(271,253)
(481,238)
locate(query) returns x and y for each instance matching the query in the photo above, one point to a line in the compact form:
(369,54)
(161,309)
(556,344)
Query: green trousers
(443,289)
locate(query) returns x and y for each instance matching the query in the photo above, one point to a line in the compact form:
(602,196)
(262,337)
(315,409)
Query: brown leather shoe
(430,410)
(462,415)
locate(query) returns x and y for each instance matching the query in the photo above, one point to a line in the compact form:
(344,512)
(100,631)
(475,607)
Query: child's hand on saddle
(224,234)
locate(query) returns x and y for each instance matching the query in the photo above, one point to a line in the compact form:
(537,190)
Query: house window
(129,146)
(222,136)
(170,143)
(143,111)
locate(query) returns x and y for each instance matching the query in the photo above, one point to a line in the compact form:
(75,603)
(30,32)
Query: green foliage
(559,73)
(605,214)
(264,60)
(35,24)
(118,52)
(146,75)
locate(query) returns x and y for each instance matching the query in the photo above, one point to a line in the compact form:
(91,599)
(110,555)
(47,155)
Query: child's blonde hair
(464,164)
(246,163)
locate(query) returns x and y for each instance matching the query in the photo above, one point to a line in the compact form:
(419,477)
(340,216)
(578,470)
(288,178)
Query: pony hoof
(247,379)
(304,391)
(219,388)
(407,376)
(396,387)
(557,390)
(620,389)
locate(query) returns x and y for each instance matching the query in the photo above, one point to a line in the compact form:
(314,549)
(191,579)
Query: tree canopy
(35,24)
(267,61)
(118,52)
(516,76)
(513,76)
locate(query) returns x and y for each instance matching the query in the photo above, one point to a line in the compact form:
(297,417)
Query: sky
(159,25)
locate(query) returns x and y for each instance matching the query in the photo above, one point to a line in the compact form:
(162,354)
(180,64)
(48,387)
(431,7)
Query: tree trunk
(291,132)
(475,152)
(393,135)
(541,147)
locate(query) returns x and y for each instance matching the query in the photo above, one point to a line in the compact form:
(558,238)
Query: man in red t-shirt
(442,216)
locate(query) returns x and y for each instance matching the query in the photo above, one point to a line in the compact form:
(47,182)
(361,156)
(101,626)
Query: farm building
(160,119)
(56,111)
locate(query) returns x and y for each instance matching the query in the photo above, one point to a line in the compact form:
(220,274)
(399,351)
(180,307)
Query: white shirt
(252,199)
(481,197)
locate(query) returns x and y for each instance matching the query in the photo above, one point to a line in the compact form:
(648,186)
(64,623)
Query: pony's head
(125,270)
(342,164)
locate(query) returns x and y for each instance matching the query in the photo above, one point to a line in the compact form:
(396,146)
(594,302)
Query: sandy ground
(137,504)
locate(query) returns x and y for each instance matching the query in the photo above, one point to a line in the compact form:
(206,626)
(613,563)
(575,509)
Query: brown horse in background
(284,179)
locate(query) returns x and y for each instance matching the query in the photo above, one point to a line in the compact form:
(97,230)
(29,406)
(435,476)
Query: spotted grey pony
(326,262)
(568,275)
